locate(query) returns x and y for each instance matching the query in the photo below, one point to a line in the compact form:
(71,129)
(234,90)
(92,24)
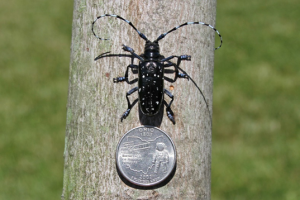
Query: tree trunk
(95,103)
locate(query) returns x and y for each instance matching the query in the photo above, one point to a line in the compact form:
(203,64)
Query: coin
(146,156)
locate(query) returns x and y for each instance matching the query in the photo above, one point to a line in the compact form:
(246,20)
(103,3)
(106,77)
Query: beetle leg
(168,58)
(169,79)
(126,113)
(170,113)
(125,77)
(177,74)
(169,71)
(182,57)
(130,50)
(176,66)
(182,75)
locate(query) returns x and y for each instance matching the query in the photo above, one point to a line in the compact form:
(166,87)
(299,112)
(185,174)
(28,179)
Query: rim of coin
(146,182)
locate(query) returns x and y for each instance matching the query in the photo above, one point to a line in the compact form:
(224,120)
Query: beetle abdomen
(151,87)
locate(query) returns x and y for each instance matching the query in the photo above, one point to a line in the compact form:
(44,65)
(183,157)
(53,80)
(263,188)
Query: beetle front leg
(182,57)
(126,113)
(130,50)
(170,113)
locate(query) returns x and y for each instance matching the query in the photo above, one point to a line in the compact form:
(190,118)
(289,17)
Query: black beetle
(151,69)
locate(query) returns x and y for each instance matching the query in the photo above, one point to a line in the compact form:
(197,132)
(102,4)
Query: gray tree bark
(95,103)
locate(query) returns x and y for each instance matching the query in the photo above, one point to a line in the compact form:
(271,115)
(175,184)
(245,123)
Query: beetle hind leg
(169,111)
(170,114)
(126,113)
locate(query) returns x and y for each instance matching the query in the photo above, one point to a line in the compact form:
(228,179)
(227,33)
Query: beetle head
(151,49)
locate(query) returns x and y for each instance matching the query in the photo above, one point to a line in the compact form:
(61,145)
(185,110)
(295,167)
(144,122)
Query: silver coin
(146,156)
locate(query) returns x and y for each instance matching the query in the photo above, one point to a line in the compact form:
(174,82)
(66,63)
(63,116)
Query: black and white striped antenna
(191,23)
(119,17)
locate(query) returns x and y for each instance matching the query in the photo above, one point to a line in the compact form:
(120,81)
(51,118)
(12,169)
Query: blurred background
(256,113)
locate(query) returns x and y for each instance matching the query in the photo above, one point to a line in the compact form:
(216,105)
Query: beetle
(151,70)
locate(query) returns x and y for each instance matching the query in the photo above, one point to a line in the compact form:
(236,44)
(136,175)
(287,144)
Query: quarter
(146,156)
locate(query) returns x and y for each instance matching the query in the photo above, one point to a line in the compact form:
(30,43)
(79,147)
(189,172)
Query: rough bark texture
(95,103)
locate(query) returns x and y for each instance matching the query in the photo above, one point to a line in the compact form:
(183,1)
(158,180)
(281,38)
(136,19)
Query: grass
(35,42)
(256,102)
(256,130)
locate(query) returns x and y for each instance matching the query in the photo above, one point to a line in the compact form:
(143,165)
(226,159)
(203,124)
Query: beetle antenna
(119,17)
(190,23)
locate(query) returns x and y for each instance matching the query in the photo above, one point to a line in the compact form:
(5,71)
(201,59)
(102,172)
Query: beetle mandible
(151,69)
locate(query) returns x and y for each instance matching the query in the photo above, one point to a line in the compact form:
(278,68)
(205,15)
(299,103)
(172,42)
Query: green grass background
(256,129)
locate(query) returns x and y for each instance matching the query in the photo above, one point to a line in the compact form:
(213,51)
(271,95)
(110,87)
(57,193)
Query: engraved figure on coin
(146,156)
(160,158)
